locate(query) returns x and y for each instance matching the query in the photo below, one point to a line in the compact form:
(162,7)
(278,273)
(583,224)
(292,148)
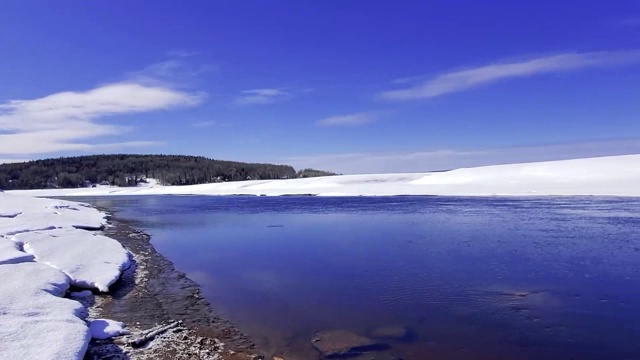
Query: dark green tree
(129,170)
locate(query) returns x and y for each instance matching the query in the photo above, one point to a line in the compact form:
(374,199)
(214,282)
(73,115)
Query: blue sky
(349,86)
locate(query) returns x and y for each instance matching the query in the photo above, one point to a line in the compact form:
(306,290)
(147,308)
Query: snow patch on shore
(104,328)
(90,260)
(43,250)
(43,214)
(607,176)
(10,253)
(37,323)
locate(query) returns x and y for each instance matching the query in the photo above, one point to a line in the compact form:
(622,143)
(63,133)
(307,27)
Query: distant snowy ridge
(44,250)
(606,176)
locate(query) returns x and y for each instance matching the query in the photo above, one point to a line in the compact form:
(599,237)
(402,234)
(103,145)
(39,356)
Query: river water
(469,278)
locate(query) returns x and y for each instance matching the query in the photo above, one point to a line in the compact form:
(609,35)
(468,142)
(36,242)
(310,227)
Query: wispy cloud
(171,73)
(205,124)
(347,120)
(202,124)
(181,53)
(421,161)
(64,121)
(467,79)
(262,96)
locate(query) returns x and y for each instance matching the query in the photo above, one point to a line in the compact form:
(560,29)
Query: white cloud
(170,73)
(346,120)
(205,124)
(61,121)
(466,79)
(421,161)
(262,96)
(181,53)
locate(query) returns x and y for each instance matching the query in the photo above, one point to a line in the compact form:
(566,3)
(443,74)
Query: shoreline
(152,293)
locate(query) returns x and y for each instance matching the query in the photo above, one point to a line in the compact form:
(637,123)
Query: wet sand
(152,294)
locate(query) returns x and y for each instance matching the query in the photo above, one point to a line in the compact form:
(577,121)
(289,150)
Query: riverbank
(151,294)
(81,284)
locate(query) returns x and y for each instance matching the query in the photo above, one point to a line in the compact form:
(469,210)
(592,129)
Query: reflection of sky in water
(476,277)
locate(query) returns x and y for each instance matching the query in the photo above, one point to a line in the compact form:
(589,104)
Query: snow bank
(43,250)
(104,329)
(613,175)
(41,214)
(36,322)
(11,254)
(90,260)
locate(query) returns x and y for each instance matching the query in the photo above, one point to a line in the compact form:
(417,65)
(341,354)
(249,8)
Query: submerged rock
(341,342)
(395,332)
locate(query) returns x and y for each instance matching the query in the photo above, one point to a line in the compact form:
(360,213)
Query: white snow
(44,249)
(612,175)
(90,260)
(35,321)
(31,214)
(11,254)
(105,328)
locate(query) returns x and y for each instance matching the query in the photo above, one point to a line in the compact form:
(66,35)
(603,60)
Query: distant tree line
(129,170)
(307,173)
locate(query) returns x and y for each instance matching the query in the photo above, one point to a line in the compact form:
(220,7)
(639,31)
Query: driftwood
(141,341)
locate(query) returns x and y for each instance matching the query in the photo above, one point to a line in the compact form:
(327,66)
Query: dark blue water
(473,278)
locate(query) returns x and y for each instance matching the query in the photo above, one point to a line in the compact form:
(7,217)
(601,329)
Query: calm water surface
(473,278)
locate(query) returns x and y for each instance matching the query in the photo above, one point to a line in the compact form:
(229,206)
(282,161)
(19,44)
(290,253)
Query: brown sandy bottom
(153,297)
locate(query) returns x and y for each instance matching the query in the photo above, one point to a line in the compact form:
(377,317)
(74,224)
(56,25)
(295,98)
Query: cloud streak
(458,81)
(262,96)
(346,120)
(171,73)
(207,124)
(182,53)
(62,121)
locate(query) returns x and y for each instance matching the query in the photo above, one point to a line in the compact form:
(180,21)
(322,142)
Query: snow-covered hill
(613,175)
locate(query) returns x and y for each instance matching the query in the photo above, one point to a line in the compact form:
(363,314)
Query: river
(468,278)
